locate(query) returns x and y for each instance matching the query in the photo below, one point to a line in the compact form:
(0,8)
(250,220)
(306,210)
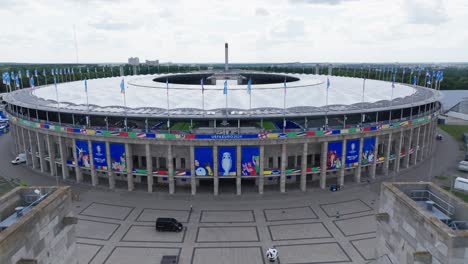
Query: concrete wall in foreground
(46,234)
(411,235)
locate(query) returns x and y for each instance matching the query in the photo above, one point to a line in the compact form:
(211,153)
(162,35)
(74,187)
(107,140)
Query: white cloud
(426,12)
(260,11)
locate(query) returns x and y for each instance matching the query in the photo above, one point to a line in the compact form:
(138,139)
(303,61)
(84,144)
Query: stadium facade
(225,131)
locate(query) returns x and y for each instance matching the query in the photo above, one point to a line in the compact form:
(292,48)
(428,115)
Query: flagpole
(362,104)
(168,113)
(87,100)
(284,108)
(58,103)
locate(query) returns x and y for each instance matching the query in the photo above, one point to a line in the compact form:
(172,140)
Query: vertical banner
(368,151)
(203,161)
(226,161)
(82,152)
(335,151)
(99,155)
(118,161)
(250,160)
(352,152)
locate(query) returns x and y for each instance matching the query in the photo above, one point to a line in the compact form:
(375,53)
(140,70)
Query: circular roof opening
(242,78)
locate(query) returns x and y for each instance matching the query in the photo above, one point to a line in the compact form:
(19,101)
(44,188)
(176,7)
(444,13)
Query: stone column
(304,167)
(357,174)
(343,164)
(94,179)
(323,165)
(422,154)
(63,158)
(25,147)
(398,153)
(283,168)
(51,149)
(170,169)
(417,148)
(149,167)
(388,148)
(193,181)
(79,175)
(408,147)
(215,170)
(376,151)
(33,151)
(14,134)
(261,176)
(40,149)
(431,137)
(238,170)
(129,161)
(110,172)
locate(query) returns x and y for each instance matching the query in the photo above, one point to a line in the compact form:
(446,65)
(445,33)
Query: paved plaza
(314,227)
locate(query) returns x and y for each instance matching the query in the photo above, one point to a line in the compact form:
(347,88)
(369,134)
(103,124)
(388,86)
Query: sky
(194,31)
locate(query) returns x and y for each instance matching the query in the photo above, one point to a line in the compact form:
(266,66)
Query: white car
(20,159)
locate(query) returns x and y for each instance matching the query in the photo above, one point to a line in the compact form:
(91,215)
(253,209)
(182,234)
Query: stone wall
(411,234)
(46,234)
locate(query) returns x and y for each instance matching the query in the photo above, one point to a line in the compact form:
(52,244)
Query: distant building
(134,61)
(152,62)
(37,226)
(421,223)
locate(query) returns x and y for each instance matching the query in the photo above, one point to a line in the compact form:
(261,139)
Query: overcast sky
(257,30)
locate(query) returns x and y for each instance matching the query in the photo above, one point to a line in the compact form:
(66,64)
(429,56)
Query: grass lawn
(455,131)
(442,178)
(268,125)
(459,194)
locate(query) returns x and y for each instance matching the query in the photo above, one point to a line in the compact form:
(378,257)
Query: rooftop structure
(421,223)
(36,226)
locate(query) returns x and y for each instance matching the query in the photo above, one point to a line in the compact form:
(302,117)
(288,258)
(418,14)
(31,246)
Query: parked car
(461,184)
(168,224)
(463,166)
(20,159)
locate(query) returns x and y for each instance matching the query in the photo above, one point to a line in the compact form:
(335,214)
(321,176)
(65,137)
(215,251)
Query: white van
(461,184)
(463,165)
(20,159)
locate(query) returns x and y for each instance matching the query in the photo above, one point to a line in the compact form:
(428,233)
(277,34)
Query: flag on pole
(44,72)
(328,83)
(87,69)
(72,71)
(53,72)
(19,74)
(79,70)
(17,81)
(167,86)
(415,80)
(31,83)
(12,75)
(4,77)
(284,84)
(249,86)
(225,87)
(35,72)
(202,87)
(27,74)
(122,86)
(85,85)
(95,69)
(55,82)
(56,71)
(393,81)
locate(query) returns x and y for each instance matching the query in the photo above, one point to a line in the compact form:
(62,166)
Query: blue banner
(99,155)
(228,136)
(226,161)
(368,150)
(82,153)
(203,161)
(118,161)
(335,151)
(250,160)
(352,152)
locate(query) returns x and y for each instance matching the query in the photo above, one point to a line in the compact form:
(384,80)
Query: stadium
(223,131)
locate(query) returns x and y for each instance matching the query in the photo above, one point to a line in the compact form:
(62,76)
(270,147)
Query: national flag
(328,83)
(167,86)
(72,71)
(60,72)
(225,87)
(4,77)
(56,71)
(44,72)
(412,71)
(393,81)
(35,72)
(12,75)
(249,86)
(17,81)
(95,69)
(441,78)
(202,87)
(79,70)
(415,80)
(103,68)
(122,86)
(27,73)
(31,83)
(87,69)
(53,72)
(284,84)
(85,85)
(55,82)
(19,74)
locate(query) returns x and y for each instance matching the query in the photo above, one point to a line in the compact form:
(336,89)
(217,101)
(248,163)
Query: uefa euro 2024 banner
(352,152)
(118,161)
(335,151)
(99,155)
(368,151)
(250,160)
(226,161)
(203,161)
(82,153)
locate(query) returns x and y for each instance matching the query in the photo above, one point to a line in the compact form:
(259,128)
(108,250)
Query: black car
(168,224)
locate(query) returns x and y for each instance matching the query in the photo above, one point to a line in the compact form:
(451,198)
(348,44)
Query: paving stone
(357,225)
(95,229)
(150,215)
(312,253)
(282,214)
(344,208)
(227,234)
(139,255)
(229,255)
(138,233)
(365,247)
(298,231)
(107,211)
(232,216)
(86,252)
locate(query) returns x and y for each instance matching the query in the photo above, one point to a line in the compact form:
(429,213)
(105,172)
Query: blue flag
(225,87)
(122,86)
(328,83)
(17,81)
(415,80)
(27,73)
(44,72)
(85,86)
(19,74)
(249,86)
(87,69)
(55,82)
(35,72)
(202,87)
(393,81)
(31,83)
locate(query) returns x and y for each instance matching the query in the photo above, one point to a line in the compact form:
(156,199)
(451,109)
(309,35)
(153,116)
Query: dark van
(168,224)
